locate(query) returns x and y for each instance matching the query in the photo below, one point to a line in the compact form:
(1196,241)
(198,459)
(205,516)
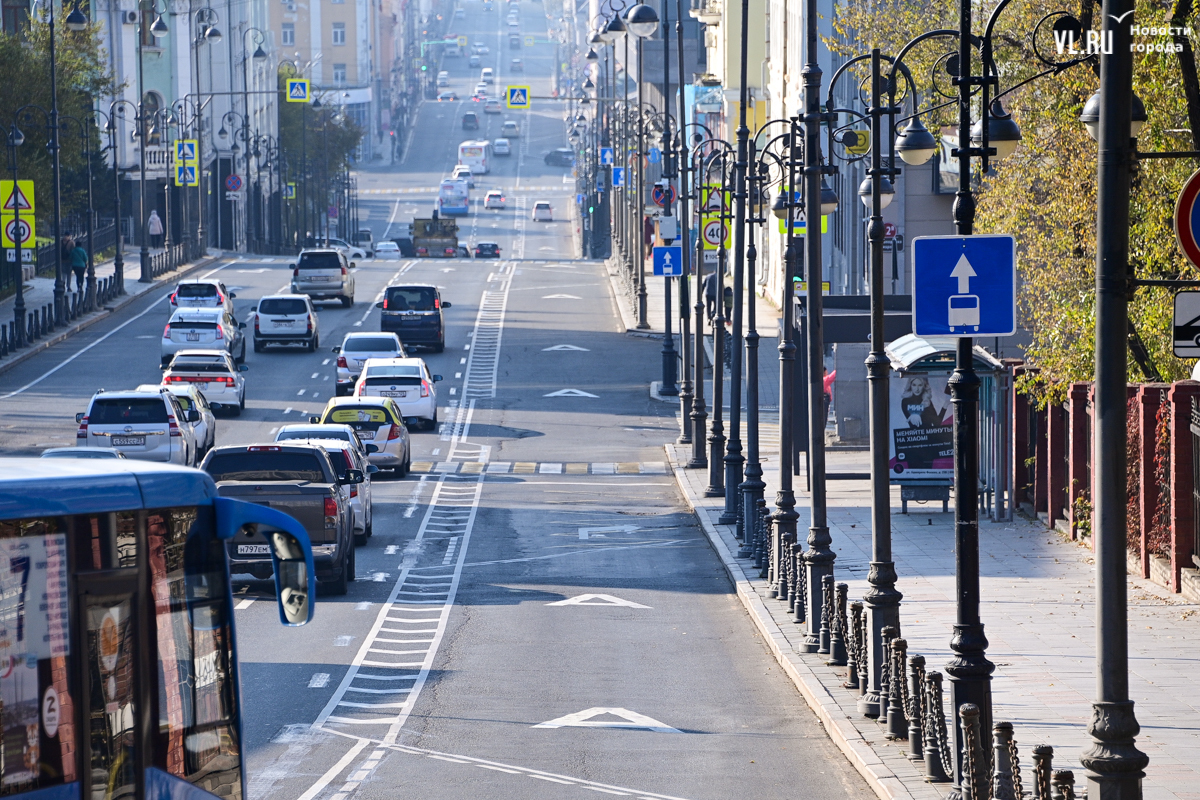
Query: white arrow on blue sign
(618,177)
(668,261)
(655,155)
(606,156)
(964,285)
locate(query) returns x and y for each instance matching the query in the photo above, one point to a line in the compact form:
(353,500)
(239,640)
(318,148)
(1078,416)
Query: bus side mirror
(293,582)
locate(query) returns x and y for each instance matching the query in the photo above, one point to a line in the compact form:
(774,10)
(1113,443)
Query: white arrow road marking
(560,297)
(570,393)
(585,533)
(447,269)
(964,272)
(597,600)
(252,271)
(563,347)
(585,719)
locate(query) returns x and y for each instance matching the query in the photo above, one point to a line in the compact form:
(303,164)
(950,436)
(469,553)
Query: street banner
(922,440)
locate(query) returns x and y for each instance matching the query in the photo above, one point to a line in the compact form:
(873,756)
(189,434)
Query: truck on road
(435,238)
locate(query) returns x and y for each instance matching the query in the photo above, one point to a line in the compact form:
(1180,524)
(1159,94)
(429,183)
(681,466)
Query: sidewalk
(40,291)
(1038,609)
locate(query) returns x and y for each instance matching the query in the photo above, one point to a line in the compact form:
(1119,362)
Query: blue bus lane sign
(964,285)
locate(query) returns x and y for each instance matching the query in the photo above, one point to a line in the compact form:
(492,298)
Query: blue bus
(118,659)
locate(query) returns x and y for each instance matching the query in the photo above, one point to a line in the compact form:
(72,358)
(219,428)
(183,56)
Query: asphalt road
(544,621)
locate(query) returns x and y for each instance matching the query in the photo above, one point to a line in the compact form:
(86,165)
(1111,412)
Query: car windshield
(410,298)
(207,324)
(370,344)
(319,261)
(127,411)
(266,466)
(85,454)
(282,305)
(191,290)
(393,370)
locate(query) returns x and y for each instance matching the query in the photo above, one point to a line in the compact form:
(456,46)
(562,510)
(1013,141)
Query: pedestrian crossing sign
(462,41)
(21,200)
(289,191)
(529,41)
(297,90)
(185,175)
(187,151)
(800,227)
(518,97)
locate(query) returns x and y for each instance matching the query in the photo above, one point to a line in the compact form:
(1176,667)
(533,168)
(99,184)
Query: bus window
(197,706)
(37,732)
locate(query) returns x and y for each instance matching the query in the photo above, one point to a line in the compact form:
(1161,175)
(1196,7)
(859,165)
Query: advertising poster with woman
(922,445)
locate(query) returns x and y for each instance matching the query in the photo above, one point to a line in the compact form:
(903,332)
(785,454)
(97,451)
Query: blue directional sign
(964,285)
(618,177)
(654,155)
(606,156)
(668,260)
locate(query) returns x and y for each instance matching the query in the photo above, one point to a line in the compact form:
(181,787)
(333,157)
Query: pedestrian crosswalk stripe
(540,467)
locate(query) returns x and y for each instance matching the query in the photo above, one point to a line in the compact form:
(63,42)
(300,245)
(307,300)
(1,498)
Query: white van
(488,75)
(443,78)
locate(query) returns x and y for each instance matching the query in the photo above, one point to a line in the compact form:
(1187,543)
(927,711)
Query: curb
(104,313)
(885,783)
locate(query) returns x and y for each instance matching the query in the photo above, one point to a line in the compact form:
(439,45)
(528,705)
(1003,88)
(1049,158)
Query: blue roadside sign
(618,177)
(606,156)
(654,156)
(668,260)
(964,285)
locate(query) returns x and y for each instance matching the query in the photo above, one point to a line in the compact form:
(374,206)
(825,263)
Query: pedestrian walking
(710,294)
(79,263)
(154,227)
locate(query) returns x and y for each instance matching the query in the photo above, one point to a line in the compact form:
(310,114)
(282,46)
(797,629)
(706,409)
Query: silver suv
(324,273)
(354,351)
(149,426)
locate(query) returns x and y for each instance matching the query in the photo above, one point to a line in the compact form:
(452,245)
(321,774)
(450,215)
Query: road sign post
(606,156)
(517,97)
(298,90)
(964,286)
(233,182)
(618,177)
(668,260)
(17,231)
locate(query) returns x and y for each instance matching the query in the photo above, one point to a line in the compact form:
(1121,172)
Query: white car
(355,350)
(502,147)
(201,293)
(204,430)
(346,456)
(463,173)
(286,319)
(344,433)
(443,78)
(511,130)
(147,426)
(81,452)
(214,374)
(203,327)
(387,250)
(350,251)
(542,212)
(493,106)
(377,421)
(494,199)
(408,381)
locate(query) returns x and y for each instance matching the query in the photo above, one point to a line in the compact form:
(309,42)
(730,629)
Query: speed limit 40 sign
(17,231)
(715,233)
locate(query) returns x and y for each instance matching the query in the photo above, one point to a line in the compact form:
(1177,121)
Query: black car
(487,250)
(560,157)
(414,313)
(470,121)
(406,247)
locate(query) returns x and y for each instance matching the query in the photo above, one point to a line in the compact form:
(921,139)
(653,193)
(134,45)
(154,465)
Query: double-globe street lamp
(642,22)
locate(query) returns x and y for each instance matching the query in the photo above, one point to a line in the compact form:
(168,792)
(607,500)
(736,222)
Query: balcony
(708,12)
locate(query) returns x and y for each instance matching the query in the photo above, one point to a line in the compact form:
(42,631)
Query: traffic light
(424,68)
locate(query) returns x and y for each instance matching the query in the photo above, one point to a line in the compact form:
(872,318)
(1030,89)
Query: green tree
(82,74)
(1045,194)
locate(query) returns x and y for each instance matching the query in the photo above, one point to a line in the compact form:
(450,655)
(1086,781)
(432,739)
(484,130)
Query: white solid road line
(68,360)
(249,601)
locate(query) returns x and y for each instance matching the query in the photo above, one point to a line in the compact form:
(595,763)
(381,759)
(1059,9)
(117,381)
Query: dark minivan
(414,313)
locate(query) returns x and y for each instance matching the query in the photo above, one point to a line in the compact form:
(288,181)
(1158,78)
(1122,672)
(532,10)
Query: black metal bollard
(1005,780)
(838,657)
(974,783)
(897,697)
(760,539)
(824,633)
(1064,785)
(799,585)
(1043,767)
(885,667)
(852,625)
(3,340)
(864,675)
(939,763)
(35,330)
(916,712)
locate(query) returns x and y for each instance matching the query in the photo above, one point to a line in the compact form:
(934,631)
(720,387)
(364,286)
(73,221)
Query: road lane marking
(249,601)
(334,771)
(587,719)
(579,552)
(319,680)
(597,600)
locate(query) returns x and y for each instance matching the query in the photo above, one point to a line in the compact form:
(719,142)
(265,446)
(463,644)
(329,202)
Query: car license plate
(253,550)
(394,394)
(320,278)
(283,323)
(129,441)
(193,337)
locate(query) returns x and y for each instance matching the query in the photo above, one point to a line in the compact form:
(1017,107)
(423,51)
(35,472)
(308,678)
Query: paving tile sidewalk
(39,292)
(1038,609)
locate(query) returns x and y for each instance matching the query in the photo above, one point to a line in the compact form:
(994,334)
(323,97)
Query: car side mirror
(243,368)
(337,349)
(437,378)
(79,417)
(372,448)
(164,367)
(314,420)
(352,476)
(193,415)
(232,296)
(241,326)
(379,305)
(445,304)
(371,468)
(353,265)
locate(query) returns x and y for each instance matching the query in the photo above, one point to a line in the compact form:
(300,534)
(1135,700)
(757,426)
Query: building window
(339,74)
(15,17)
(148,39)
(339,33)
(289,33)
(151,104)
